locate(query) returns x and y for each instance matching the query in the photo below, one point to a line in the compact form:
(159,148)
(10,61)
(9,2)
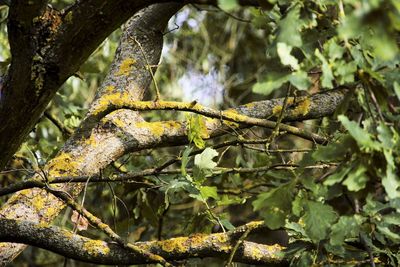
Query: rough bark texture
(96,144)
(82,248)
(47,48)
(103,144)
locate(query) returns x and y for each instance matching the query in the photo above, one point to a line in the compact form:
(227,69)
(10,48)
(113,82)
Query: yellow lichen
(118,122)
(92,141)
(250,105)
(302,107)
(277,110)
(221,238)
(68,234)
(63,165)
(126,66)
(42,224)
(197,240)
(234,115)
(176,244)
(256,253)
(38,202)
(96,247)
(110,99)
(156,128)
(109,89)
(50,212)
(172,124)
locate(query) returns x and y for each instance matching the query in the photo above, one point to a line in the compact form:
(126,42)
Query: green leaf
(318,219)
(385,46)
(197,130)
(273,81)
(345,71)
(297,205)
(391,181)
(227,224)
(393,218)
(275,205)
(385,135)
(335,51)
(356,179)
(228,5)
(300,80)
(337,176)
(363,138)
(395,237)
(289,28)
(334,151)
(396,87)
(346,227)
(209,192)
(327,74)
(286,58)
(185,159)
(204,161)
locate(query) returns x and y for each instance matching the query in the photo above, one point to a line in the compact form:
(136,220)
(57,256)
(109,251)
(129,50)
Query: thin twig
(158,96)
(129,177)
(63,129)
(235,248)
(275,132)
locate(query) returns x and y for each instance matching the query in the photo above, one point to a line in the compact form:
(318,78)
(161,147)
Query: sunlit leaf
(205,159)
(300,80)
(273,81)
(327,74)
(363,138)
(356,179)
(285,56)
(289,28)
(227,5)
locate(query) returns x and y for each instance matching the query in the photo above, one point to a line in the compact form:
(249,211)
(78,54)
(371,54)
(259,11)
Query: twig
(273,151)
(158,96)
(235,248)
(63,129)
(275,132)
(129,177)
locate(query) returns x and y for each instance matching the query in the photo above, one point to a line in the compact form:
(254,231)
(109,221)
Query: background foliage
(336,204)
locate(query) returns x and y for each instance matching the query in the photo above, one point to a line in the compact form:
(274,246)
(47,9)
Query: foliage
(338,203)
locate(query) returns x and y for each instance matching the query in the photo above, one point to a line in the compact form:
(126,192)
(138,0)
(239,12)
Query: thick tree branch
(120,101)
(48,48)
(87,156)
(67,199)
(100,252)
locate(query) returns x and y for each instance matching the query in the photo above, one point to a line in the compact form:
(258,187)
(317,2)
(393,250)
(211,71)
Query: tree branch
(47,48)
(87,156)
(120,101)
(82,248)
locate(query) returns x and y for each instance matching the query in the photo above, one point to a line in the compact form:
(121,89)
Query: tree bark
(103,144)
(85,249)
